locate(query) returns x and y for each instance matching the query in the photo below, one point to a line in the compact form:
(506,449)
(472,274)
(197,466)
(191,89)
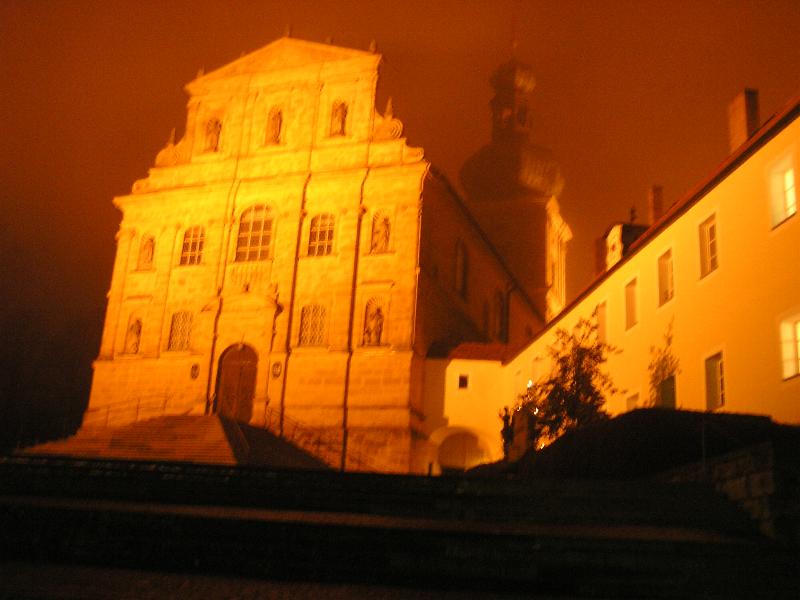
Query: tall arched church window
(381,232)
(192,249)
(274,127)
(462,269)
(338,119)
(255,234)
(213,131)
(500,317)
(320,235)
(133,335)
(146,250)
(373,322)
(180,331)
(312,325)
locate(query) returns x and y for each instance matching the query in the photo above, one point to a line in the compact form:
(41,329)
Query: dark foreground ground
(117,529)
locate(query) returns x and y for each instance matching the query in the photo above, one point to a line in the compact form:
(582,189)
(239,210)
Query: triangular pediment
(283,53)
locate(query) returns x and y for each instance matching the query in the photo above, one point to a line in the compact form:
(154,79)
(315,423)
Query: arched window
(146,250)
(312,325)
(338,119)
(500,318)
(192,250)
(462,269)
(373,323)
(133,335)
(274,127)
(320,235)
(213,131)
(255,234)
(381,232)
(180,331)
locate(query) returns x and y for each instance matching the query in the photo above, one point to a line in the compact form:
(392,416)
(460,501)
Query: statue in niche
(133,337)
(146,251)
(373,324)
(274,126)
(213,130)
(381,228)
(338,119)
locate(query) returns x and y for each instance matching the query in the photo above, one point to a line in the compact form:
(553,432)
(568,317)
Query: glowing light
(530,383)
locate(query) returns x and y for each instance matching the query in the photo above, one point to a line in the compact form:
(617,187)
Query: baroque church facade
(292,259)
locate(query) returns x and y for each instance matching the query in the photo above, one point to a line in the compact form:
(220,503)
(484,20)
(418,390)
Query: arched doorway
(236,383)
(460,451)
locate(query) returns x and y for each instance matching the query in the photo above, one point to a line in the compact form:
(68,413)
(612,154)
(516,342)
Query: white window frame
(783,190)
(666,277)
(631,303)
(715,381)
(790,346)
(709,245)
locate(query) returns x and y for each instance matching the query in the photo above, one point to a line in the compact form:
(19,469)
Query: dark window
(192,250)
(320,236)
(463,382)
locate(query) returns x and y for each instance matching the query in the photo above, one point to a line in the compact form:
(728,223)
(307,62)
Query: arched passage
(236,383)
(460,449)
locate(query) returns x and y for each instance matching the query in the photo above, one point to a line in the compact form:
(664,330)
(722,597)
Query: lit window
(600,313)
(312,325)
(192,250)
(320,237)
(666,288)
(708,246)
(783,192)
(789,193)
(179,331)
(715,382)
(463,382)
(790,346)
(462,270)
(631,317)
(255,234)
(274,127)
(338,119)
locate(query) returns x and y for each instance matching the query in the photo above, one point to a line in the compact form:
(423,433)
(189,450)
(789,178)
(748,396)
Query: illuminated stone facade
(291,259)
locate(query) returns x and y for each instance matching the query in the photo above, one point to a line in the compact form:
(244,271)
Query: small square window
(463,382)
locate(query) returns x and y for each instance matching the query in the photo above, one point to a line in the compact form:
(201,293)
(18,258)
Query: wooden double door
(236,383)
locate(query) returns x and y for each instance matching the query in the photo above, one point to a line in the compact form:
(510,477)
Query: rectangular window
(602,335)
(715,382)
(708,246)
(312,325)
(666,393)
(789,193)
(790,346)
(631,317)
(192,250)
(666,288)
(463,382)
(783,192)
(179,331)
(320,235)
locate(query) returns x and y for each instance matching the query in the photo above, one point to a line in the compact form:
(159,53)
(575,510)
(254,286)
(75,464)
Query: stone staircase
(194,439)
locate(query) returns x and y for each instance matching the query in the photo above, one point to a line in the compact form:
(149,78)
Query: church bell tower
(512,188)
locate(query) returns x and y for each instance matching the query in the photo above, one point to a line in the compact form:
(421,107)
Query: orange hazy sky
(629,93)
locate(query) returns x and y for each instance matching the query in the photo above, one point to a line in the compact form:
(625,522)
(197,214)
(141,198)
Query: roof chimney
(655,203)
(742,117)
